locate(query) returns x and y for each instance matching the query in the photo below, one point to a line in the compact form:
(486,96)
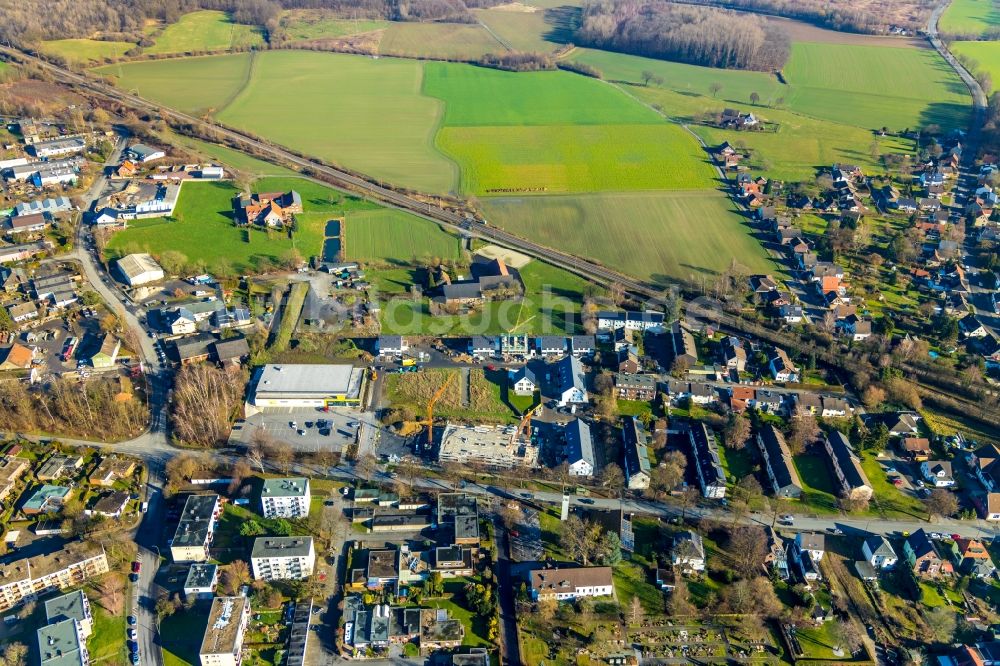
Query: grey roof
(390,342)
(482,342)
(299,634)
(812,541)
(297,546)
(462,290)
(196,518)
(634,442)
(579,443)
(524,372)
(304,381)
(571,374)
(780,460)
(846,460)
(706,456)
(72,606)
(230,348)
(286,487)
(688,545)
(59,645)
(878,545)
(200,575)
(552,342)
(142,151)
(635,381)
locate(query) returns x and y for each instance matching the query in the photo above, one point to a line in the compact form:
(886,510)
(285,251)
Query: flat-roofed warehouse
(292,385)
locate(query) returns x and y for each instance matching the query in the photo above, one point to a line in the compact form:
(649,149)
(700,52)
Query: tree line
(696,35)
(846,15)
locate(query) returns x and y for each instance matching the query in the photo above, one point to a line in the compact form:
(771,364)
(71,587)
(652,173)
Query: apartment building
(285,498)
(72,606)
(196,528)
(572,583)
(29,577)
(282,558)
(222,644)
(11,470)
(60,644)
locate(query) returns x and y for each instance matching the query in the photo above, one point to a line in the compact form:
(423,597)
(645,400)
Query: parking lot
(308,430)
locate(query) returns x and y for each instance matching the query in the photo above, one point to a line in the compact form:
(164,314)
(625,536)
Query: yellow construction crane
(429,421)
(525,423)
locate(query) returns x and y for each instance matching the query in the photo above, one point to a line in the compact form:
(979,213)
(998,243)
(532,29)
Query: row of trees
(698,35)
(205,400)
(847,15)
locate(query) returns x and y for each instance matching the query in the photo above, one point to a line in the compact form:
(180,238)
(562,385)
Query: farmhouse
(579,448)
(636,454)
(781,471)
(301,386)
(491,278)
(268,209)
(567,584)
(138,269)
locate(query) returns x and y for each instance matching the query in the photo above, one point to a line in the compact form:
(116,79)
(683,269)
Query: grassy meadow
(986,54)
(393,236)
(232,159)
(194,85)
(360,113)
(449,41)
(301,25)
(970,17)
(204,30)
(523,30)
(84,51)
(652,235)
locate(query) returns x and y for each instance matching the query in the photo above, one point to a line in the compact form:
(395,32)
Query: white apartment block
(27,578)
(285,498)
(282,558)
(196,529)
(222,644)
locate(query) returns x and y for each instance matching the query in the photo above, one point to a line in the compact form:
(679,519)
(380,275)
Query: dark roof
(845,459)
(706,455)
(634,442)
(779,457)
(579,443)
(231,348)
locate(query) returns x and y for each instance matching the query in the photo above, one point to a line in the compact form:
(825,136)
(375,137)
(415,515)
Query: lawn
(872,86)
(891,499)
(561,159)
(203,230)
(818,642)
(106,642)
(396,237)
(306,24)
(233,159)
(205,31)
(970,17)
(736,463)
(182,634)
(652,235)
(631,580)
(85,50)
(364,114)
(475,624)
(986,54)
(195,85)
(818,492)
(449,41)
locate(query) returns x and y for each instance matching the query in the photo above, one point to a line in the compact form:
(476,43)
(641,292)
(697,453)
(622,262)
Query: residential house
(583,345)
(230,351)
(847,468)
(807,551)
(937,473)
(708,465)
(991,507)
(45,499)
(391,345)
(196,528)
(11,471)
(567,584)
(972,557)
(734,354)
(22,312)
(855,327)
(922,556)
(269,209)
(16,357)
(180,321)
(781,472)
(781,367)
(639,321)
(550,345)
(634,387)
(688,552)
(879,553)
(105,353)
(523,381)
(111,469)
(58,466)
(109,505)
(636,454)
(917,449)
(970,327)
(571,382)
(27,224)
(579,448)
(683,343)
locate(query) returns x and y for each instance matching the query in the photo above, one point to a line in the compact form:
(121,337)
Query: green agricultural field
(396,237)
(652,235)
(205,31)
(524,31)
(875,86)
(556,159)
(203,230)
(304,24)
(970,17)
(478,96)
(194,85)
(736,86)
(450,41)
(986,54)
(85,50)
(361,113)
